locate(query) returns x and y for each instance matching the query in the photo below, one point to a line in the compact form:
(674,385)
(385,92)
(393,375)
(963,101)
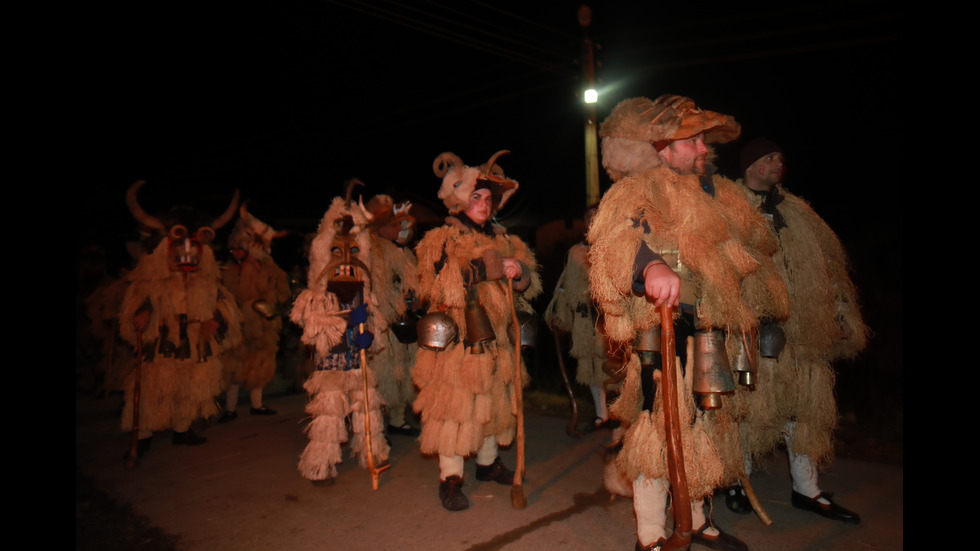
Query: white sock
(801,469)
(450,465)
(599,399)
(650,509)
(488,451)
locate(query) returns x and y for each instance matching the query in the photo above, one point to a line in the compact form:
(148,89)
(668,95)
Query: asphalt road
(241,492)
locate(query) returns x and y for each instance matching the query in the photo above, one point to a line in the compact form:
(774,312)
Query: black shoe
(721,542)
(496,472)
(188,438)
(831,511)
(736,500)
(227,416)
(451,494)
(323,483)
(655,546)
(263,410)
(405,429)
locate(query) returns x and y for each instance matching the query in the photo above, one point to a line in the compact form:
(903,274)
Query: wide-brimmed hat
(666,119)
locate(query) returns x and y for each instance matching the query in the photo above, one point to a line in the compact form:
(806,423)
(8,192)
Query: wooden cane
(517,498)
(747,339)
(754,500)
(681,500)
(571,428)
(372,468)
(132,460)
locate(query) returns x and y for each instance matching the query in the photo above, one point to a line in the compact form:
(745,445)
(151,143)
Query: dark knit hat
(755,150)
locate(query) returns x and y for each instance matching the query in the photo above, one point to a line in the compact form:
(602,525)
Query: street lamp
(591,96)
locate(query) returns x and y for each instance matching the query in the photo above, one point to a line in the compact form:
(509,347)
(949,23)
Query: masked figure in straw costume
(464,368)
(794,400)
(262,290)
(669,231)
(393,269)
(338,312)
(181,321)
(572,310)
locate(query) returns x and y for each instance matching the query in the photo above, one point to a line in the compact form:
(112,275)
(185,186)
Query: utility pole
(591,126)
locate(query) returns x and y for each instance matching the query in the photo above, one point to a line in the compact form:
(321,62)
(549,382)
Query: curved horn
(243,212)
(444,162)
(364,210)
(493,161)
(229,212)
(139,214)
(350,189)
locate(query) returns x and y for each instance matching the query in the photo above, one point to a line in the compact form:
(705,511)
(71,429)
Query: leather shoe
(405,430)
(188,438)
(495,472)
(263,410)
(655,546)
(736,500)
(227,416)
(721,542)
(451,494)
(831,510)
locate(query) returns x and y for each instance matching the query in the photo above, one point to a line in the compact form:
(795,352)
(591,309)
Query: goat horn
(229,212)
(444,162)
(139,214)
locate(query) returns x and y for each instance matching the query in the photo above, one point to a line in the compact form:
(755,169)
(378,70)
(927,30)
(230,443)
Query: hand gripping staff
(517,498)
(359,316)
(681,501)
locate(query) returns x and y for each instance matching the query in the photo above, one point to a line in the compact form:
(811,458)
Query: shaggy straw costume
(722,252)
(734,284)
(393,269)
(193,319)
(466,399)
(571,310)
(260,287)
(799,385)
(335,388)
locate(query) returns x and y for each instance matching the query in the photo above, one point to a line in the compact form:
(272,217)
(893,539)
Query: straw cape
(824,325)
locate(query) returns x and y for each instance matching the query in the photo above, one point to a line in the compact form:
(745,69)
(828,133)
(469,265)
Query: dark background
(285,100)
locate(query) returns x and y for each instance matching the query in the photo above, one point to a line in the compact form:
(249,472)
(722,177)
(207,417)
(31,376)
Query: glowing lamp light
(591,96)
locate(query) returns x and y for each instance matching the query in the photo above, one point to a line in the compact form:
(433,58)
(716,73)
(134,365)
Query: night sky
(285,100)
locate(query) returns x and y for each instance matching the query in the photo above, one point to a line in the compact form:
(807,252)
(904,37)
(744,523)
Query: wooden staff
(570,428)
(517,498)
(681,501)
(743,479)
(374,469)
(132,460)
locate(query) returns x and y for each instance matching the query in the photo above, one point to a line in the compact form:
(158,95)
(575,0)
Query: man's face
(481,206)
(768,170)
(686,156)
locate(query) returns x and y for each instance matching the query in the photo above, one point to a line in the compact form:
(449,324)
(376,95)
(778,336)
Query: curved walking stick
(570,428)
(754,500)
(132,460)
(681,500)
(517,498)
(372,468)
